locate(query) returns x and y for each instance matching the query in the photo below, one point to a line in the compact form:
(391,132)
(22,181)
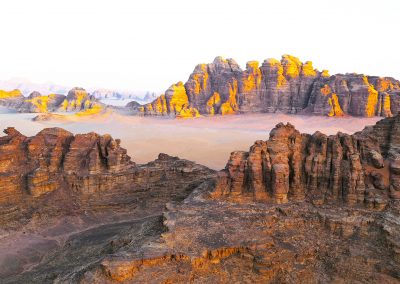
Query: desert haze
(149,142)
(207,140)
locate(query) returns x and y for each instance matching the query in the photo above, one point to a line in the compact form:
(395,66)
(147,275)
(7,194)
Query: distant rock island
(77,100)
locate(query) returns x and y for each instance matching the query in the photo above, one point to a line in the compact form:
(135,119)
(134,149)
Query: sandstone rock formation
(297,208)
(353,169)
(288,86)
(77,100)
(254,223)
(90,167)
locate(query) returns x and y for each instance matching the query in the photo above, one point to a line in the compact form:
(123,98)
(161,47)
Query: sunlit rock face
(353,169)
(77,100)
(288,86)
(10,94)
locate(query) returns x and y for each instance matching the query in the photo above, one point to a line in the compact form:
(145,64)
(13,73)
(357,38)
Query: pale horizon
(149,46)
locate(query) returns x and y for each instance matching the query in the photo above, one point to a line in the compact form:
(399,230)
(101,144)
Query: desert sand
(206,140)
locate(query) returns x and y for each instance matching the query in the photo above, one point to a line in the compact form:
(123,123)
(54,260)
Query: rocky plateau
(286,86)
(296,208)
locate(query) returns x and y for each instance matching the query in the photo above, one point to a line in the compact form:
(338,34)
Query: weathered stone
(77,100)
(98,216)
(288,86)
(323,169)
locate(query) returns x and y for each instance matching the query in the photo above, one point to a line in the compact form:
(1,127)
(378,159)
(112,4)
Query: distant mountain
(288,86)
(107,96)
(121,98)
(26,87)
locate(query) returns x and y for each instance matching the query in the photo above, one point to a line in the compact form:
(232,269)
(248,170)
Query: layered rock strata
(288,86)
(213,241)
(81,172)
(354,169)
(254,222)
(297,208)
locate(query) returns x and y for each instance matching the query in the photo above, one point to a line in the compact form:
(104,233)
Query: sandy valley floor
(207,141)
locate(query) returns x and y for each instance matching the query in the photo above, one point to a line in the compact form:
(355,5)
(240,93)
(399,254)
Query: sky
(148,45)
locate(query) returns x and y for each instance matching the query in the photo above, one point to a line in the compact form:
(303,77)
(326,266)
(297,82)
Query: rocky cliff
(86,171)
(288,86)
(296,208)
(77,100)
(353,169)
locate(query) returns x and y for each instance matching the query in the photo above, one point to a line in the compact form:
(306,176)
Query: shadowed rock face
(288,86)
(33,166)
(255,223)
(352,169)
(294,209)
(56,173)
(56,184)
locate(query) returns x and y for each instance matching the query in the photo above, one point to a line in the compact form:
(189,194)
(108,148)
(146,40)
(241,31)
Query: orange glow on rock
(253,80)
(383,85)
(40,103)
(178,99)
(281,80)
(80,96)
(200,79)
(336,110)
(205,78)
(372,99)
(197,87)
(230,106)
(326,90)
(386,106)
(64,104)
(213,102)
(333,101)
(161,105)
(291,66)
(189,112)
(325,73)
(308,69)
(10,94)
(95,109)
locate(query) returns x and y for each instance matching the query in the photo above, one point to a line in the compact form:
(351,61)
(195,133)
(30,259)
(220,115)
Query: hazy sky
(148,45)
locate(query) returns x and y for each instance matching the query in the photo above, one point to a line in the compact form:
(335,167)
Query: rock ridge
(70,173)
(77,100)
(288,86)
(359,169)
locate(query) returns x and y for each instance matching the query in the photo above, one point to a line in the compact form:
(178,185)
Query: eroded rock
(288,86)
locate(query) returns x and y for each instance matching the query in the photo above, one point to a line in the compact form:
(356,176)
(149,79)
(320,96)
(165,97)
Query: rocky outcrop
(254,223)
(77,100)
(222,242)
(288,86)
(354,169)
(297,208)
(11,94)
(55,158)
(86,171)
